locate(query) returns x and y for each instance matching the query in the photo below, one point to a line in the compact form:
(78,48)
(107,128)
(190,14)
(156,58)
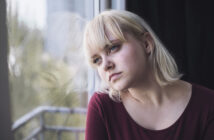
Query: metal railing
(38,133)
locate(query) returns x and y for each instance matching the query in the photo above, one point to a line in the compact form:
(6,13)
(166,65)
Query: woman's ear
(148,42)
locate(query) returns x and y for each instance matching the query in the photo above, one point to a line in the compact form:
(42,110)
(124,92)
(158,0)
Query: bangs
(97,31)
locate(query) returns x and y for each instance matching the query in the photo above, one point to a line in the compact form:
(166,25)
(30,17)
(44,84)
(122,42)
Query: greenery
(38,79)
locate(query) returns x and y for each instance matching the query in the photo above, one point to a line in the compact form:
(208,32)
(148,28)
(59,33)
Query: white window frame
(99,6)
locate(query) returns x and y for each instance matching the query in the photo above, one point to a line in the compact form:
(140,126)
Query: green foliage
(38,79)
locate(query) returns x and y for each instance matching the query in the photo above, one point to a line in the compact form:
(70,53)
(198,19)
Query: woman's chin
(119,87)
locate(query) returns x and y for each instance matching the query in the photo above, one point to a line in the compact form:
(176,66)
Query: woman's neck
(154,94)
(149,93)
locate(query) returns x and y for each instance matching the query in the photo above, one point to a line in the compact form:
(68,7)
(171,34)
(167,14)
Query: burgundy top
(109,120)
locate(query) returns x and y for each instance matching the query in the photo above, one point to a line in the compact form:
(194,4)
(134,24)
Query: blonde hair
(117,22)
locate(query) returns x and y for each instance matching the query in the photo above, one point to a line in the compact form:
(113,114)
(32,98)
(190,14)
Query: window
(47,73)
(46,70)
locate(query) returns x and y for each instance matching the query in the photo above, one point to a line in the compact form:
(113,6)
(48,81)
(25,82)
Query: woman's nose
(108,65)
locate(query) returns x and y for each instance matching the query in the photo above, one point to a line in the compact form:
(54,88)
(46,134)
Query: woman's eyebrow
(94,56)
(114,41)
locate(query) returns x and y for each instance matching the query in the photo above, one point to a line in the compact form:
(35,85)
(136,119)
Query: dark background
(186,28)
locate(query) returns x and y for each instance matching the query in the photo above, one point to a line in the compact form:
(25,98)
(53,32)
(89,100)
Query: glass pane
(46,64)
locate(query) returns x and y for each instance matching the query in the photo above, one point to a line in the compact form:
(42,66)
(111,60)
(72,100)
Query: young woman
(145,99)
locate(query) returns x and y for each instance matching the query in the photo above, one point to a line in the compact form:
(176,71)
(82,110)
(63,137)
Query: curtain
(186,28)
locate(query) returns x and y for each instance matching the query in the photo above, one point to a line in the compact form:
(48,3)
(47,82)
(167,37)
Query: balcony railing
(38,133)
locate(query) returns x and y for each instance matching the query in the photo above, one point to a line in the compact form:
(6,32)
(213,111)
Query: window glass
(46,63)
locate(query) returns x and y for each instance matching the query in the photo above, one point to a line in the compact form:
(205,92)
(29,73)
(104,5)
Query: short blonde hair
(117,22)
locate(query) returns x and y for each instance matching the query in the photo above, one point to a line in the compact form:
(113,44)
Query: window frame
(99,6)
(5,120)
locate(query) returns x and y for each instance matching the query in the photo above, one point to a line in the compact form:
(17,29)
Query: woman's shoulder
(203,91)
(203,97)
(102,100)
(103,104)
(100,97)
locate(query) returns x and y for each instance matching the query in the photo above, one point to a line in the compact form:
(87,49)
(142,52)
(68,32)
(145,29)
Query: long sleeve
(95,126)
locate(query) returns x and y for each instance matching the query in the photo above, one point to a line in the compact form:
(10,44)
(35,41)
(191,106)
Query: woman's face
(122,65)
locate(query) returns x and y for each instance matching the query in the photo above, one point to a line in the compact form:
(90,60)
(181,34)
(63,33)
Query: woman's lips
(114,76)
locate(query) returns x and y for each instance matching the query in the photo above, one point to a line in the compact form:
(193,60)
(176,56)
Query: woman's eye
(114,48)
(96,60)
